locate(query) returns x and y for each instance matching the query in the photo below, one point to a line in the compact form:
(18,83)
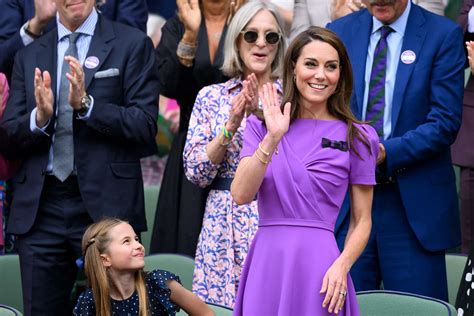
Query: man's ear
(105,260)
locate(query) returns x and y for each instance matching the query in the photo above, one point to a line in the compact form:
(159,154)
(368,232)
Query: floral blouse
(210,112)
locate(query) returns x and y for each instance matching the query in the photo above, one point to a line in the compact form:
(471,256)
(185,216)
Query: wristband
(186,51)
(226,133)
(29,33)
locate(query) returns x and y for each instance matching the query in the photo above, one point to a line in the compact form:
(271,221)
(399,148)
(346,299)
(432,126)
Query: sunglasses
(252,36)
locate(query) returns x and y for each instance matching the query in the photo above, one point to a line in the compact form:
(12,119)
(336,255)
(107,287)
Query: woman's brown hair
(338,103)
(95,242)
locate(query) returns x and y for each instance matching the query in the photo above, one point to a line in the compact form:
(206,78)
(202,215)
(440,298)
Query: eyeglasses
(252,36)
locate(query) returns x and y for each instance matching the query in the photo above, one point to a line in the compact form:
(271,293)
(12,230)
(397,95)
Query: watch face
(85,104)
(85,101)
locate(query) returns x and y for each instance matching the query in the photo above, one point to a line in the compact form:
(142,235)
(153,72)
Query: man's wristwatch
(85,105)
(29,33)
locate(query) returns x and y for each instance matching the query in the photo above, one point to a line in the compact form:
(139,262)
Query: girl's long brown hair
(339,103)
(95,242)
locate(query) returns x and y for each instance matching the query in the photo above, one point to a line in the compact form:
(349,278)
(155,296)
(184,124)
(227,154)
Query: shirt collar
(87,27)
(237,82)
(398,26)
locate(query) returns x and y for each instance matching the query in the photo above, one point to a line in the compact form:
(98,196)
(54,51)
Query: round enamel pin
(91,62)
(408,57)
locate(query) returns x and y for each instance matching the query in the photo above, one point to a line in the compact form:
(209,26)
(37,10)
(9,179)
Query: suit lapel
(47,57)
(99,48)
(359,43)
(412,41)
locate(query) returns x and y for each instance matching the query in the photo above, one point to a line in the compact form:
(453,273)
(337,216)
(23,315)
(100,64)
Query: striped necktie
(376,100)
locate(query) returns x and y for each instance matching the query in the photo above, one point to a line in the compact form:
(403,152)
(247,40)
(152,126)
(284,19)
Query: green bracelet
(226,133)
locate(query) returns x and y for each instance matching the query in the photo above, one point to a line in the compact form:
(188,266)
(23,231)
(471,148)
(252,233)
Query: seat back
(455,264)
(182,266)
(6,310)
(391,303)
(218,310)
(10,282)
(151,198)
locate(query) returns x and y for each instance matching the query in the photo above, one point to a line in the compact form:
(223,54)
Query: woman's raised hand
(190,14)
(237,112)
(250,91)
(277,122)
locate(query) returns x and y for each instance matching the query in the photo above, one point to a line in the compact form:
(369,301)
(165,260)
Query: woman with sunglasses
(254,50)
(190,56)
(302,159)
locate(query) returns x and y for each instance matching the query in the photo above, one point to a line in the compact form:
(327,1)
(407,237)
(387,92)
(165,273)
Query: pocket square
(111,72)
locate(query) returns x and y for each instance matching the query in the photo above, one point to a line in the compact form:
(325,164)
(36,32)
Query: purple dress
(298,203)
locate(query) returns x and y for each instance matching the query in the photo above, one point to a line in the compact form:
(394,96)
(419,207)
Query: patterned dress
(158,297)
(464,299)
(227,229)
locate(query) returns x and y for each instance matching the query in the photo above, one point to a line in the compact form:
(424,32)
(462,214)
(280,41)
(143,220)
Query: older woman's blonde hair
(233,65)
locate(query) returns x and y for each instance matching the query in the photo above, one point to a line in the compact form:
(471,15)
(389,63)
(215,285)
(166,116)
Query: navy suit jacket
(17,12)
(426,116)
(107,146)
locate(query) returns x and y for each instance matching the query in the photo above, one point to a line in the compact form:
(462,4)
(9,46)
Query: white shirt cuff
(25,38)
(470,21)
(34,128)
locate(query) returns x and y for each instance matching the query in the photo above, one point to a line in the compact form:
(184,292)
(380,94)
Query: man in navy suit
(415,215)
(36,17)
(78,168)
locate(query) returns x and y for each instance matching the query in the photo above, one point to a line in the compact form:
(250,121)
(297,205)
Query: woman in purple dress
(302,160)
(254,50)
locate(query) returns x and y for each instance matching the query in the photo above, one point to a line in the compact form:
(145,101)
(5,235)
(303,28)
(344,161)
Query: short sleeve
(158,292)
(85,305)
(253,134)
(363,168)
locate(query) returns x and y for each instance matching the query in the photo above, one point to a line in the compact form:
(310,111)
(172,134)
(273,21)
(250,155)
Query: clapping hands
(77,82)
(43,97)
(250,92)
(244,102)
(470,54)
(190,14)
(340,8)
(45,10)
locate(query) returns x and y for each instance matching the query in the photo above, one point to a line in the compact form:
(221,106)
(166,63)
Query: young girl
(113,263)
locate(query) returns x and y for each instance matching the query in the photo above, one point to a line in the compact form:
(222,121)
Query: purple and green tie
(376,100)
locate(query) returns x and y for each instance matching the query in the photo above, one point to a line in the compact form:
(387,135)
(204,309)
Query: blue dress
(158,296)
